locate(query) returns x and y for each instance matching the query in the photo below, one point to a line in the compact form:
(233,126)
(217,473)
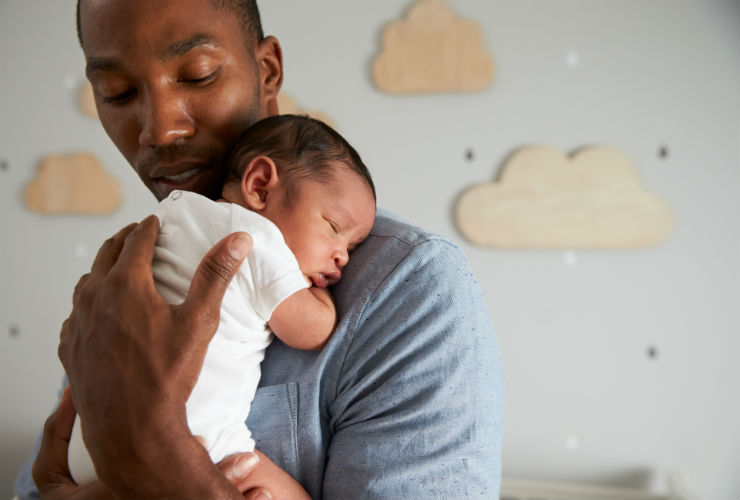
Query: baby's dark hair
(302,148)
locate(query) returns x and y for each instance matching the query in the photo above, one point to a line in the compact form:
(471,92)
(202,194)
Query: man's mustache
(173,153)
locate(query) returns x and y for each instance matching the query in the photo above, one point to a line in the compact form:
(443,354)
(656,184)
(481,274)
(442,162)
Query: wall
(585,399)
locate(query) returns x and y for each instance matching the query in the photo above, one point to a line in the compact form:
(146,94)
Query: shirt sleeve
(420,402)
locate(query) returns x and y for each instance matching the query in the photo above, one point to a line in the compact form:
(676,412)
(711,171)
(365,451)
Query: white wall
(584,400)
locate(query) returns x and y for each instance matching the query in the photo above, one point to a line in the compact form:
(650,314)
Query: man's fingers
(63,340)
(96,490)
(214,274)
(108,253)
(64,417)
(138,247)
(78,288)
(50,467)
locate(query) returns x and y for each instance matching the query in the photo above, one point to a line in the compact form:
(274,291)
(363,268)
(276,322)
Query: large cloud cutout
(72,184)
(544,199)
(432,51)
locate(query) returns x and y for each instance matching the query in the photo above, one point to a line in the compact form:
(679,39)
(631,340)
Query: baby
(303,194)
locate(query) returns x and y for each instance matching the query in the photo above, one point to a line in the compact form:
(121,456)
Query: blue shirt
(407,398)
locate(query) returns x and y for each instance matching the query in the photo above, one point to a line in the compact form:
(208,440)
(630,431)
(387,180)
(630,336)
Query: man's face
(175,83)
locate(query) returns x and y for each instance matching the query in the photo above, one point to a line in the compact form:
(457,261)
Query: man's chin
(201,183)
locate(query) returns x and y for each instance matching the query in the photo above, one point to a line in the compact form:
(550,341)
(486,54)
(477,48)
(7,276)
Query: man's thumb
(216,270)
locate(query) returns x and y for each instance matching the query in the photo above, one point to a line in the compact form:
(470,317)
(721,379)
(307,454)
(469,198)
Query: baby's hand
(236,468)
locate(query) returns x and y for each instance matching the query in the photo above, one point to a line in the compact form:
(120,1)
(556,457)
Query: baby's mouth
(322,280)
(319,281)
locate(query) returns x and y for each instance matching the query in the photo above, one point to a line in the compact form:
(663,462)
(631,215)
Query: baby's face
(324,223)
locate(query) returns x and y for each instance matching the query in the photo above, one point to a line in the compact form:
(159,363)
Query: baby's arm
(306,319)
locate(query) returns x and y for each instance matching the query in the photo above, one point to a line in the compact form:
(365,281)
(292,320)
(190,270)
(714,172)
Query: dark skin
(175,82)
(129,248)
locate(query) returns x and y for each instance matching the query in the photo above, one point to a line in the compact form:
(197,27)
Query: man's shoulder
(396,258)
(390,226)
(394,242)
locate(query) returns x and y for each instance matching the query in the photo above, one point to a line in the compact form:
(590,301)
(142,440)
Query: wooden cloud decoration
(432,50)
(547,200)
(288,106)
(72,184)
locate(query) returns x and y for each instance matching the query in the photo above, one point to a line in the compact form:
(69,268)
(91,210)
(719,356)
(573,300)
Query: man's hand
(132,360)
(50,470)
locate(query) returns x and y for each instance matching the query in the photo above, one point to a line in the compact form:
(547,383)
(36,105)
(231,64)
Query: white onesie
(190,224)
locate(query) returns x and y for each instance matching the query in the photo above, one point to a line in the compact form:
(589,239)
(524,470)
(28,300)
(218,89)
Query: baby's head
(311,183)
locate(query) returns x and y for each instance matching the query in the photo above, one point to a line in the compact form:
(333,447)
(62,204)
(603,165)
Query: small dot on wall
(572,443)
(652,352)
(469,155)
(70,82)
(4,165)
(81,251)
(14,331)
(572,59)
(570,258)
(663,152)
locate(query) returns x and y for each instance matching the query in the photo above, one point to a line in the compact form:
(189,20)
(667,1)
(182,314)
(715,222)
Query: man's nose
(164,119)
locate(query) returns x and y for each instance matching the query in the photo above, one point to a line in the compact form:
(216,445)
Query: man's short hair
(246,11)
(302,148)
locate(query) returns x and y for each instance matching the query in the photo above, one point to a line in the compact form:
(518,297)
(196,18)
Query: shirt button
(175,195)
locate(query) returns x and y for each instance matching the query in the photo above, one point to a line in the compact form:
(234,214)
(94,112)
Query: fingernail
(240,246)
(262,495)
(246,464)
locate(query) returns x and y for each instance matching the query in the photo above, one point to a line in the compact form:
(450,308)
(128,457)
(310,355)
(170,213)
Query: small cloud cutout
(288,106)
(545,199)
(72,184)
(432,50)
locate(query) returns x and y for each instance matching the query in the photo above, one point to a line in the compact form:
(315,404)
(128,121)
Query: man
(406,399)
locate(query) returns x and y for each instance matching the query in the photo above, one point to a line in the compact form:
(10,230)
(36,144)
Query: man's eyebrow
(101,64)
(176,49)
(182,47)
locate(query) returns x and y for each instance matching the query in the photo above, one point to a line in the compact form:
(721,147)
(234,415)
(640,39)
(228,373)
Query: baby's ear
(259,180)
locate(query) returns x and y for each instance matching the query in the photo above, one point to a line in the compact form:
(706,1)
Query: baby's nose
(341,257)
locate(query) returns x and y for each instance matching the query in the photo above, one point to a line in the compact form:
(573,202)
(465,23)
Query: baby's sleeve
(272,274)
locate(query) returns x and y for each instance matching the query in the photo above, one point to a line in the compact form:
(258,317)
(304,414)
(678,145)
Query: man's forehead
(185,45)
(165,29)
(166,17)
(160,3)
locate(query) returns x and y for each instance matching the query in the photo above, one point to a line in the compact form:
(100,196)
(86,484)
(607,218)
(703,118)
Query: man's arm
(306,319)
(418,411)
(51,471)
(130,381)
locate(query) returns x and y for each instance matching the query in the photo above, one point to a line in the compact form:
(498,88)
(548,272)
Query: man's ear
(259,181)
(269,57)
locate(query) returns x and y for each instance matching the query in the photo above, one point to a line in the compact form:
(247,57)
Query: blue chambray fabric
(407,398)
